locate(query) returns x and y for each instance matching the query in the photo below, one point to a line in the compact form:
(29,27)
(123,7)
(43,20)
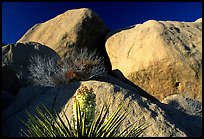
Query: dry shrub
(77,65)
(41,71)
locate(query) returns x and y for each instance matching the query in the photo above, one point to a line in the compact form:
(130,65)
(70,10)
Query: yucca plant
(52,125)
(86,99)
(84,122)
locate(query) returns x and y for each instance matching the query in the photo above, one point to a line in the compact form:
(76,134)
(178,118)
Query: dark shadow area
(182,120)
(102,51)
(57,98)
(62,100)
(2,44)
(9,80)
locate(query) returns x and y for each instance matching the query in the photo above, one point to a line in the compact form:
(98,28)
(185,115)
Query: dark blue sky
(18,17)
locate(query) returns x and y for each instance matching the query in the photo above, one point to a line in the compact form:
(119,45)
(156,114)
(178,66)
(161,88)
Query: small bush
(83,64)
(77,65)
(42,71)
(194,107)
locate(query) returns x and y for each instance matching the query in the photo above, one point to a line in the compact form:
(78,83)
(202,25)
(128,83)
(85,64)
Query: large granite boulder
(161,57)
(163,120)
(17,57)
(75,28)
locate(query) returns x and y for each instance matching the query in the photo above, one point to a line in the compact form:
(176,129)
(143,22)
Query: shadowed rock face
(190,106)
(75,28)
(10,81)
(17,56)
(165,121)
(161,57)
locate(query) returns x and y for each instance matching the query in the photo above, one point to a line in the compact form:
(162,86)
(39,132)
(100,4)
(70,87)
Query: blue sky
(18,17)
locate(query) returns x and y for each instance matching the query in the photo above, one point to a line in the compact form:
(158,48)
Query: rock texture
(185,104)
(74,28)
(17,56)
(199,20)
(161,57)
(164,120)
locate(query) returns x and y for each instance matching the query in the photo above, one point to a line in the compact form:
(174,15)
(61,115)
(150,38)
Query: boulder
(161,57)
(17,56)
(126,85)
(164,121)
(199,20)
(75,28)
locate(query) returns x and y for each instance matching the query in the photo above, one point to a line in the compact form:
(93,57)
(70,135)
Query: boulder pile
(154,67)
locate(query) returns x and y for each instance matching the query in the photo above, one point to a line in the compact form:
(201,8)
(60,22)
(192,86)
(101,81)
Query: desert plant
(85,125)
(194,106)
(49,126)
(77,65)
(42,70)
(84,64)
(85,98)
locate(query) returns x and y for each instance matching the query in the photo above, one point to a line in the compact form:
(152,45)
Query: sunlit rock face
(161,57)
(74,28)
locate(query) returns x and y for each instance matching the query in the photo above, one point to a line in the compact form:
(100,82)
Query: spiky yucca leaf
(86,99)
(53,126)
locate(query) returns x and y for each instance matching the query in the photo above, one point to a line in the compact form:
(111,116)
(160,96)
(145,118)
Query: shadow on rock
(190,124)
(28,99)
(118,74)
